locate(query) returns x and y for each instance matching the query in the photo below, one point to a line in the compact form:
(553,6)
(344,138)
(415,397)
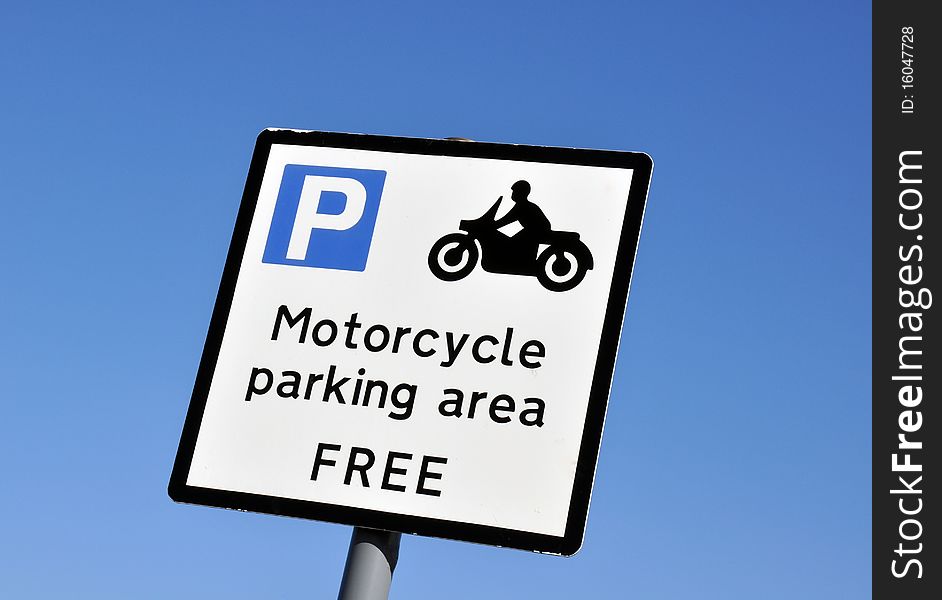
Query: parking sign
(416,335)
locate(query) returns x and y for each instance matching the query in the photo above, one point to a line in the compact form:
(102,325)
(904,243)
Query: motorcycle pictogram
(519,243)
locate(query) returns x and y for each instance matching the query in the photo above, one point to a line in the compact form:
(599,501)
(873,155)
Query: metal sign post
(371,560)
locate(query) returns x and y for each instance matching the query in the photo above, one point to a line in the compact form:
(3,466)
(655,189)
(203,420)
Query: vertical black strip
(906,71)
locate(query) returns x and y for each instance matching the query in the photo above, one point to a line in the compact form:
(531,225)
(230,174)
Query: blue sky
(736,455)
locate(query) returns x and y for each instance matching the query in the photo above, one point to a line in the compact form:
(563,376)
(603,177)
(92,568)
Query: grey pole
(371,560)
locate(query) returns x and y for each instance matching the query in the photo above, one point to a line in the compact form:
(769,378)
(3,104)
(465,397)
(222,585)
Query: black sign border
(571,541)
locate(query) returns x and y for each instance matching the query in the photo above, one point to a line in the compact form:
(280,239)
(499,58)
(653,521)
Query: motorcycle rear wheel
(559,269)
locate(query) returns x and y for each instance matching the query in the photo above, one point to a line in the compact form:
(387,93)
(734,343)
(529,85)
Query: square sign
(416,335)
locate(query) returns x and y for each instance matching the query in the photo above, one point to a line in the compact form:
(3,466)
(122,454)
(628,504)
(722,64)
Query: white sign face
(416,335)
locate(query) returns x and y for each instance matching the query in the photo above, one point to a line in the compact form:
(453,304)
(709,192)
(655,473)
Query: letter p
(309,218)
(324,217)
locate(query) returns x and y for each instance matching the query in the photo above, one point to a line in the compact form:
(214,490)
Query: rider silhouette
(521,246)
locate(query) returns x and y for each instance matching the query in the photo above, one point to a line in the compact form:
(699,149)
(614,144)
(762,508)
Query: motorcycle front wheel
(453,257)
(560,269)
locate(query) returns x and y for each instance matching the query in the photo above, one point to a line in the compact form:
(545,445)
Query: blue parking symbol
(324,217)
